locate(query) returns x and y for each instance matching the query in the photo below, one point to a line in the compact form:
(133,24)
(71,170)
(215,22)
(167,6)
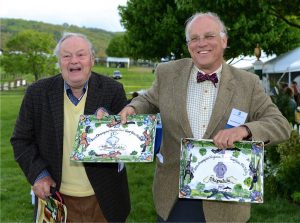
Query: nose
(74,59)
(201,41)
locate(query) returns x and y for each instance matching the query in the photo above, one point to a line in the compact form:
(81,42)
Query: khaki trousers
(83,209)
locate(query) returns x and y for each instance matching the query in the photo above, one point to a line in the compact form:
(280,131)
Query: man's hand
(101,112)
(226,138)
(41,188)
(128,110)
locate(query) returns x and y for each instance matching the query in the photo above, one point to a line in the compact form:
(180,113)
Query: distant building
(117,61)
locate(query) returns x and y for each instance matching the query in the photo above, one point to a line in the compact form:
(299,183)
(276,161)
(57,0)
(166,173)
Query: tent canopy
(295,66)
(117,60)
(246,62)
(287,62)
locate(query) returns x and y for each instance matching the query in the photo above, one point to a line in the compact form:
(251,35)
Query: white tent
(246,62)
(117,60)
(284,63)
(295,66)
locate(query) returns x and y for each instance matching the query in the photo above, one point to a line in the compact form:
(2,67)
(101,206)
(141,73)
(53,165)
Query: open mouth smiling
(75,69)
(203,51)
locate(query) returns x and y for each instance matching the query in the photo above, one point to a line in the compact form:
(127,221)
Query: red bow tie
(206,77)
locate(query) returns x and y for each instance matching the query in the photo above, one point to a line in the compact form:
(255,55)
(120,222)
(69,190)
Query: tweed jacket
(38,139)
(168,95)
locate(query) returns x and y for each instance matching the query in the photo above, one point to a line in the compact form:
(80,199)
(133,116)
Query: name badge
(236,118)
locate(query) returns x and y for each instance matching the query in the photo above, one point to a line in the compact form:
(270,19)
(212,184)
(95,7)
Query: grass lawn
(133,79)
(16,200)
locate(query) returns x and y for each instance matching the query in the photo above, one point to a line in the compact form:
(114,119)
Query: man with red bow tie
(195,97)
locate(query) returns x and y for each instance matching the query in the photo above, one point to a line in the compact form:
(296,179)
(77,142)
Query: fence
(13,84)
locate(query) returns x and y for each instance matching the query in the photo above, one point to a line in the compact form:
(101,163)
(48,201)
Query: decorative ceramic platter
(106,140)
(234,174)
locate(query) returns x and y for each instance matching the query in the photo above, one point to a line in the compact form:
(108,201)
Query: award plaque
(232,174)
(107,140)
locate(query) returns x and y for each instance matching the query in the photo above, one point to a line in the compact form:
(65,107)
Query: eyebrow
(78,51)
(210,32)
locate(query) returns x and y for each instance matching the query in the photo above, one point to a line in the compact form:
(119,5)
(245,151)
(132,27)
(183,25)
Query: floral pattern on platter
(234,174)
(107,140)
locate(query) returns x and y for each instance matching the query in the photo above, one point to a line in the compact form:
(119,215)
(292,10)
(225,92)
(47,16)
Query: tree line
(155,30)
(27,46)
(11,27)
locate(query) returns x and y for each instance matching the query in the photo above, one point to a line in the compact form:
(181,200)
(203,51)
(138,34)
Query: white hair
(67,35)
(212,15)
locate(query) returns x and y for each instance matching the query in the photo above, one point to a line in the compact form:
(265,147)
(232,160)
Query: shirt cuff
(42,175)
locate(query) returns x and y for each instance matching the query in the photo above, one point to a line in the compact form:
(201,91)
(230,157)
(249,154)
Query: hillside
(99,38)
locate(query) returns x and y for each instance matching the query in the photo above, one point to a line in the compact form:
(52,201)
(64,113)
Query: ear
(224,42)
(190,51)
(93,60)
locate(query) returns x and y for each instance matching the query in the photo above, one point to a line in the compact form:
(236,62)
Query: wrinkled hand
(226,138)
(41,188)
(100,113)
(128,110)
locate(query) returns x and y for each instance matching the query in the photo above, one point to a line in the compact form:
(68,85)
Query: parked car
(117,74)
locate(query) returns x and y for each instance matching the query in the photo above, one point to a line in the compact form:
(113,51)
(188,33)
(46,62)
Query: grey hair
(212,15)
(67,35)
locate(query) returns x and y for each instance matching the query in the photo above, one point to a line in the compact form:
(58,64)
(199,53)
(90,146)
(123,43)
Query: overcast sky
(101,14)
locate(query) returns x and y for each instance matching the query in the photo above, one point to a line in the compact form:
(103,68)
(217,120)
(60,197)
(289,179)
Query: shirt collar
(84,89)
(70,94)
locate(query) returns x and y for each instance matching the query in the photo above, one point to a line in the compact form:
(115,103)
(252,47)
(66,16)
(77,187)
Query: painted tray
(234,174)
(106,140)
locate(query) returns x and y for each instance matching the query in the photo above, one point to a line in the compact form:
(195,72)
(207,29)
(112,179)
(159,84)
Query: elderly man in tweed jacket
(191,107)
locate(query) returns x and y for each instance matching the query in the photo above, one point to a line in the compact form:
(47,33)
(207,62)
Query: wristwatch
(249,136)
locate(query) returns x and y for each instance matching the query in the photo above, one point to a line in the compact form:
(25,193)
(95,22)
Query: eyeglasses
(206,37)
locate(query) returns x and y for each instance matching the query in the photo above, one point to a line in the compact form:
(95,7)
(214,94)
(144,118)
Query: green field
(133,79)
(16,200)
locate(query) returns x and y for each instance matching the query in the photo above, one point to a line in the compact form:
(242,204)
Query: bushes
(282,169)
(296,197)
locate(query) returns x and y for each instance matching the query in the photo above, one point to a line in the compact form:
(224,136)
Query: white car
(117,74)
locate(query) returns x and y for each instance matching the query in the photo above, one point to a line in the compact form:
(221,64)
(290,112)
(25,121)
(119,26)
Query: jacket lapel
(180,85)
(93,99)
(56,101)
(225,94)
